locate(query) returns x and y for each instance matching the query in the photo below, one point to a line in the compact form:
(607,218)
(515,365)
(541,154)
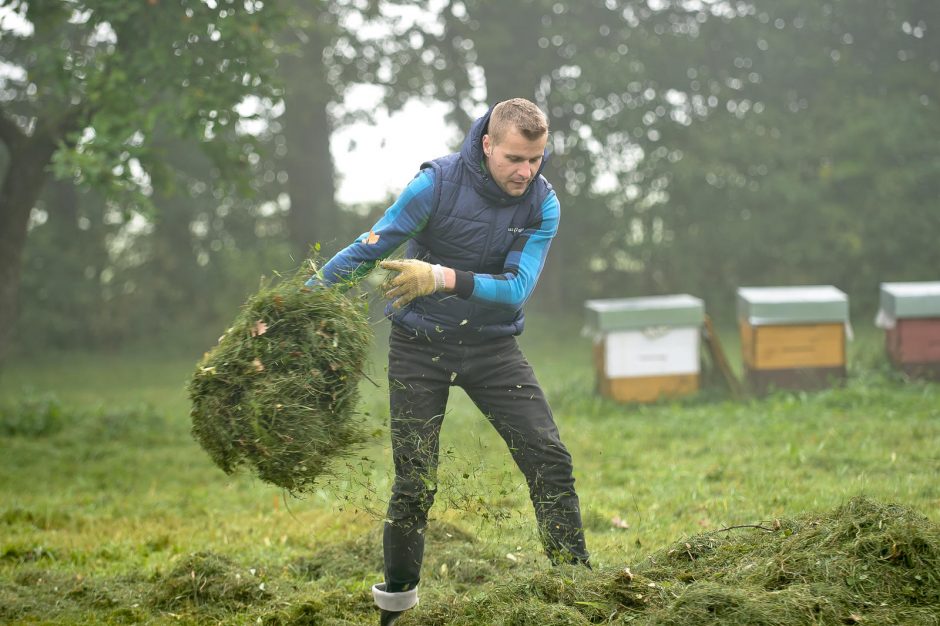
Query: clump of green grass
(44,416)
(209,579)
(32,415)
(76,599)
(359,558)
(25,554)
(328,607)
(137,424)
(279,391)
(452,555)
(863,562)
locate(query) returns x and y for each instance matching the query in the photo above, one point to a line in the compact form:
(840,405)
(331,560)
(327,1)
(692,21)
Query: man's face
(514,160)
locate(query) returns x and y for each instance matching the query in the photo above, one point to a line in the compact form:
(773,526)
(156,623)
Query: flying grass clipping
(278,393)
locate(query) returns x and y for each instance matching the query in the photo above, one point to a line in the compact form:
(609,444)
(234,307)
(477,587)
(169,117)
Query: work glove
(415,279)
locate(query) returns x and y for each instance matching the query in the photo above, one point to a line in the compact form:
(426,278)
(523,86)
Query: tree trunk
(21,188)
(313,212)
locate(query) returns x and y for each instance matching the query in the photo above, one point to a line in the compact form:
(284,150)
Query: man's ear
(487,145)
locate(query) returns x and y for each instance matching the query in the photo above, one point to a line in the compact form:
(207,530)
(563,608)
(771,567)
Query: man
(478,225)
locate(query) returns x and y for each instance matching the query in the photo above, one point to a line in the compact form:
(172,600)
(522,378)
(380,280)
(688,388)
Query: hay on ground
(279,392)
(208,579)
(861,563)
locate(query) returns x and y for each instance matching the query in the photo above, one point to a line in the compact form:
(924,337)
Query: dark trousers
(499,380)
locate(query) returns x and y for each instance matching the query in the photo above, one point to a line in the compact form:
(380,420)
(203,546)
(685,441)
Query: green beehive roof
(633,313)
(905,300)
(815,304)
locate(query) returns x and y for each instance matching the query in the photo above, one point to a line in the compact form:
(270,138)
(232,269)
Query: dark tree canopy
(696,146)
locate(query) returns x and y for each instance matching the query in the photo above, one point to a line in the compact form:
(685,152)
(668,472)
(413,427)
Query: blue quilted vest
(472,227)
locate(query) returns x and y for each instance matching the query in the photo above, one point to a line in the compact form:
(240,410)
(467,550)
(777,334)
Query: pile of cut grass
(862,563)
(208,579)
(453,555)
(279,391)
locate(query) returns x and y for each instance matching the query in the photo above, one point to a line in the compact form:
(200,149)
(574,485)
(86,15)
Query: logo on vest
(515,230)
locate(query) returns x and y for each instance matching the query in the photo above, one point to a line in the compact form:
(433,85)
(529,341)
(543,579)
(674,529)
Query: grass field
(111,513)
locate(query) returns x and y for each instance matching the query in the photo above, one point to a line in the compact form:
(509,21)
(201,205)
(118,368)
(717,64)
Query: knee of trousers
(547,471)
(411,499)
(541,451)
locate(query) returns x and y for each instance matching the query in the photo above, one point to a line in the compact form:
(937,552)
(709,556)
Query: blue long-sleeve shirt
(410,214)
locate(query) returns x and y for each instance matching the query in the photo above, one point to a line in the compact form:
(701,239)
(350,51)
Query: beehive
(646,348)
(910,315)
(793,337)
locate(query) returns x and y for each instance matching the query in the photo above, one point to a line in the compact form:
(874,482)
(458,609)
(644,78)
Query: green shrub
(32,415)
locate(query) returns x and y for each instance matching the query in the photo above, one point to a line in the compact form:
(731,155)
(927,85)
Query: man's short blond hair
(520,114)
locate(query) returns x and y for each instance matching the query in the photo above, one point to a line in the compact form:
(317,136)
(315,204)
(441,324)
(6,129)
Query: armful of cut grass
(279,391)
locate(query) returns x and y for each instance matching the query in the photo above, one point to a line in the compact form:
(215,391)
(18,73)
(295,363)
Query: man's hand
(415,279)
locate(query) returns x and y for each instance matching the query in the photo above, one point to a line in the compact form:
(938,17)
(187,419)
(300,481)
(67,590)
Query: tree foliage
(107,74)
(702,146)
(696,146)
(96,85)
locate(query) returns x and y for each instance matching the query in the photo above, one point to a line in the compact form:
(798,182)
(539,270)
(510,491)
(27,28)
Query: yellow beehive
(793,337)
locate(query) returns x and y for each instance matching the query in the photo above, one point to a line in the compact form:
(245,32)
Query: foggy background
(159,157)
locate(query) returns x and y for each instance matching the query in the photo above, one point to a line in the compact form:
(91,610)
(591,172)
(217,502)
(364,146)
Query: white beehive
(646,348)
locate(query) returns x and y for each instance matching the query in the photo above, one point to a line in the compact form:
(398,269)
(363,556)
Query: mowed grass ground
(111,513)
